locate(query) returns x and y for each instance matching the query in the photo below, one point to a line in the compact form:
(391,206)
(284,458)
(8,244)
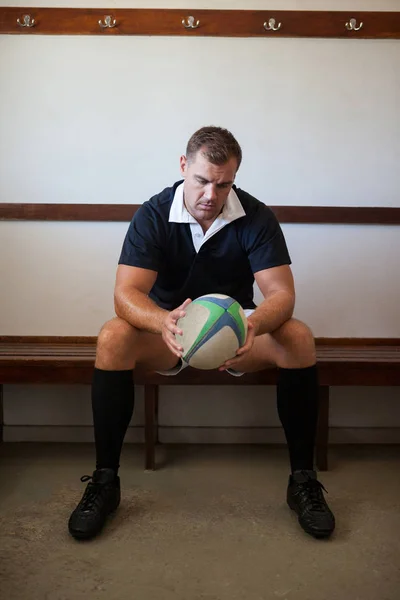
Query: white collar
(232,210)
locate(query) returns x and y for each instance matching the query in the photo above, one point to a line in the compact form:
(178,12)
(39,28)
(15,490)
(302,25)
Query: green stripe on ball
(216,313)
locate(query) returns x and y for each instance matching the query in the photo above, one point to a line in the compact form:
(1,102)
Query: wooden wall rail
(193,22)
(359,215)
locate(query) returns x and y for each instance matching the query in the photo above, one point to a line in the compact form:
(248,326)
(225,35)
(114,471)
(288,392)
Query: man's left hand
(232,362)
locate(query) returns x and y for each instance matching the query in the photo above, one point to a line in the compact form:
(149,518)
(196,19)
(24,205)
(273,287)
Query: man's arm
(131,300)
(277,286)
(133,304)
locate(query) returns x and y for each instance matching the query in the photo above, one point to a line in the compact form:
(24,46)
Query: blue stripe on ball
(222,302)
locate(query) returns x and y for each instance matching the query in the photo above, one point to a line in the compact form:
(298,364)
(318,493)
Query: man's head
(209,167)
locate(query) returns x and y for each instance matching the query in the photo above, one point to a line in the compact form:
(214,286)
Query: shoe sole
(320,534)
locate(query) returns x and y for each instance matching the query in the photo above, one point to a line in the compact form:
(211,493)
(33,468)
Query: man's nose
(211,192)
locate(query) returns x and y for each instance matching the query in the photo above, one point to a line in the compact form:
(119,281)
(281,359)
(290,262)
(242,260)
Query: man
(203,235)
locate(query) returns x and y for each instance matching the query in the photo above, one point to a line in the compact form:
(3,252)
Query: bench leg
(1,412)
(323,429)
(151,424)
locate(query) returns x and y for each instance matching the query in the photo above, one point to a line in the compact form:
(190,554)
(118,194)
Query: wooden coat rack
(193,22)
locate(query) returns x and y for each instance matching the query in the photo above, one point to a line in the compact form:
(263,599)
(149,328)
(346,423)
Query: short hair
(218,145)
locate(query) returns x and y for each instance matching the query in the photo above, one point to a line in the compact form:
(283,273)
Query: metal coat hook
(270,26)
(27,21)
(189,23)
(107,22)
(352,25)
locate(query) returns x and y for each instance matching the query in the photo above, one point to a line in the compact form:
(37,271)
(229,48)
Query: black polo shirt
(224,264)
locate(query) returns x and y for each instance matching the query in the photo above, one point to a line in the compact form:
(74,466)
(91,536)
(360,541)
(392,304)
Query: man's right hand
(170,328)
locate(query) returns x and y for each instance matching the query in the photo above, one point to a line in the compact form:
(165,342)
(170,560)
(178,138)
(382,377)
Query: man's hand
(232,362)
(170,328)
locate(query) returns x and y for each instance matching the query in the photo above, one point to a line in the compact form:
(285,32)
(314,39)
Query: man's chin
(207,215)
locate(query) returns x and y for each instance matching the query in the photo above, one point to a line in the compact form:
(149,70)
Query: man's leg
(119,348)
(292,349)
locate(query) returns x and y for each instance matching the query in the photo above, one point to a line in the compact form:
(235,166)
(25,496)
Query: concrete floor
(211,524)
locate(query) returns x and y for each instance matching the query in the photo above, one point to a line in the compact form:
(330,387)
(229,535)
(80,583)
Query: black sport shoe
(305,497)
(102,496)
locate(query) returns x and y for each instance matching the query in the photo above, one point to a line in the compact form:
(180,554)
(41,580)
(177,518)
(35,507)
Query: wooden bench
(66,360)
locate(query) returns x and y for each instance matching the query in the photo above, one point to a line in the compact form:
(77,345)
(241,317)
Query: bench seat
(41,360)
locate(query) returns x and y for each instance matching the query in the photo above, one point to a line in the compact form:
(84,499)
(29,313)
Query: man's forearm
(272,312)
(139,310)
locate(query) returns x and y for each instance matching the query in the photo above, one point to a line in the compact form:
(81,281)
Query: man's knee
(115,332)
(115,344)
(298,342)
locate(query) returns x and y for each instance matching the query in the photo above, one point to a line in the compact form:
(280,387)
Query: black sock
(297,395)
(112,405)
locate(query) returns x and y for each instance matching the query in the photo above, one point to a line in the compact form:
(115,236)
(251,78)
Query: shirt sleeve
(264,241)
(142,246)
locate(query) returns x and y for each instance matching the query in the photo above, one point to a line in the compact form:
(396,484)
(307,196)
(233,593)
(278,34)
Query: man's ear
(183,164)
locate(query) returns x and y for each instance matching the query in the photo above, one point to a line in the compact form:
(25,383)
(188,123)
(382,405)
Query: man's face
(206,187)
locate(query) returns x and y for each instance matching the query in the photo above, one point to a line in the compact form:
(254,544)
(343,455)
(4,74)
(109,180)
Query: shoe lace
(93,494)
(311,496)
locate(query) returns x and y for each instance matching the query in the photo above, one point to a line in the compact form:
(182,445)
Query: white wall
(88,119)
